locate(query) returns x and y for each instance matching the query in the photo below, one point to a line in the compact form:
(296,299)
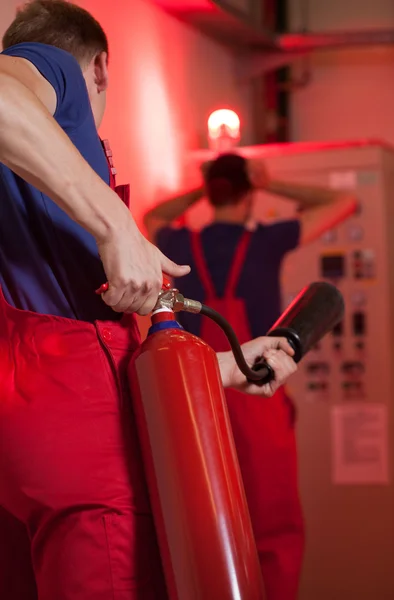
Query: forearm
(307,196)
(34,146)
(173,208)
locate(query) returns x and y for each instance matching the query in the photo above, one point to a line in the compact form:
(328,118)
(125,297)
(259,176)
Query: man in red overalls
(75,521)
(235,269)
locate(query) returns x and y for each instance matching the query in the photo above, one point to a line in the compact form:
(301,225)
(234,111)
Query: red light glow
(223,118)
(223,130)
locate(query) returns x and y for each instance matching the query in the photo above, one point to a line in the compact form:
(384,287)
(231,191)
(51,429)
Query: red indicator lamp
(223,130)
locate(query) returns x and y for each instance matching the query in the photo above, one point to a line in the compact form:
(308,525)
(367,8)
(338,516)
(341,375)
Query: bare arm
(165,213)
(34,146)
(317,220)
(307,196)
(320,208)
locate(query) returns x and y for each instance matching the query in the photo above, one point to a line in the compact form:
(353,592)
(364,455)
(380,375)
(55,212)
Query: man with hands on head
(236,270)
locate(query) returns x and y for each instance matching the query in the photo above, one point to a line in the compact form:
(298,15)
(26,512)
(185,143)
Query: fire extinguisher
(197,497)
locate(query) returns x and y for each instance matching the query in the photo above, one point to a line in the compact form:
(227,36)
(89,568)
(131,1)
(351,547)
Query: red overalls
(265,441)
(73,502)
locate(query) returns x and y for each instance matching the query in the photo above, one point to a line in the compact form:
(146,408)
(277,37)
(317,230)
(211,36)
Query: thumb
(172,269)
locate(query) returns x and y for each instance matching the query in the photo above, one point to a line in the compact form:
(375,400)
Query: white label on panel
(343,180)
(359,438)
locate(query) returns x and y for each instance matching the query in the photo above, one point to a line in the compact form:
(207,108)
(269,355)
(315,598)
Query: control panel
(344,387)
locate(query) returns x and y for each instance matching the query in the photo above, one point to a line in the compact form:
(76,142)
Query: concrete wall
(352,91)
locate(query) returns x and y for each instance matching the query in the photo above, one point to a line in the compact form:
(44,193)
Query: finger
(269,388)
(265,391)
(120,306)
(256,348)
(283,367)
(146,307)
(272,360)
(172,269)
(282,344)
(138,305)
(282,358)
(145,302)
(129,302)
(134,300)
(282,364)
(113,296)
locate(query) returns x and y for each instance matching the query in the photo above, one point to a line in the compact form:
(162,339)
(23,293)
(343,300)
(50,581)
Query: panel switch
(353,367)
(318,368)
(359,323)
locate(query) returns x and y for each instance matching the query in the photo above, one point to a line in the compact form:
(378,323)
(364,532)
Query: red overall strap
(235,268)
(112,170)
(238,262)
(201,266)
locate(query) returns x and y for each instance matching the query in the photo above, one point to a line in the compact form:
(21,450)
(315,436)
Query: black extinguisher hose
(315,312)
(261,373)
(312,314)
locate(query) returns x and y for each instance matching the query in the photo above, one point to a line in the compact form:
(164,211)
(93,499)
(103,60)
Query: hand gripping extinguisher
(197,497)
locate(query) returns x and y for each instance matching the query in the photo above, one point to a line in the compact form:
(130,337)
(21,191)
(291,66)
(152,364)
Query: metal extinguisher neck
(163,318)
(162,315)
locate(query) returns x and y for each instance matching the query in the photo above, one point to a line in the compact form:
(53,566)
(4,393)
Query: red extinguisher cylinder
(197,496)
